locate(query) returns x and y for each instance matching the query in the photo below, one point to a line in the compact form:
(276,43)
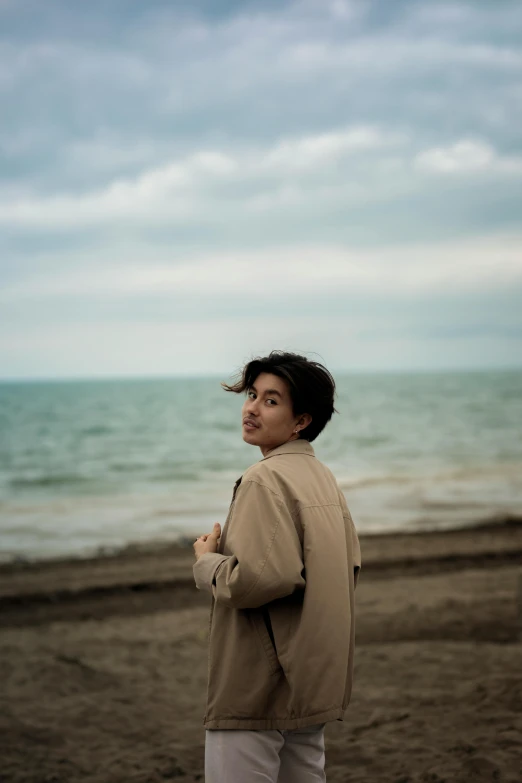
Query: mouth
(248,424)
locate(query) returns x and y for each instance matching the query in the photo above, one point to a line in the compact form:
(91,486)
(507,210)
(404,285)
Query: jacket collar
(298,446)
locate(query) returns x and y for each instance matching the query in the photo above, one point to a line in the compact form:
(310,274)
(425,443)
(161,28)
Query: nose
(250,407)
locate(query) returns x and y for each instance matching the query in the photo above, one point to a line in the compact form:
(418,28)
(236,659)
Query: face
(267,416)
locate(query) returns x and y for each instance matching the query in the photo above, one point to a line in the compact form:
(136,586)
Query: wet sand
(103,665)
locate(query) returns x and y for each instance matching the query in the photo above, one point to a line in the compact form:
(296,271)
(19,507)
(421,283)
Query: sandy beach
(104,665)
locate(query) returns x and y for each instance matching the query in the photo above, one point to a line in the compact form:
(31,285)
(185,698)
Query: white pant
(279,756)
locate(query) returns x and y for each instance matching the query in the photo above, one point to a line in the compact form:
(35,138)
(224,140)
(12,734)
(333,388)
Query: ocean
(89,467)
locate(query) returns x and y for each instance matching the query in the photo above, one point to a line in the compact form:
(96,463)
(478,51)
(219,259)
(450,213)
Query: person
(282,575)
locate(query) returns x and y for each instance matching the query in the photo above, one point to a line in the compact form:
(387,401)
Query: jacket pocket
(263,629)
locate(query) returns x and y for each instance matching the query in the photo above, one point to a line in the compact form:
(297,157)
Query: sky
(185,185)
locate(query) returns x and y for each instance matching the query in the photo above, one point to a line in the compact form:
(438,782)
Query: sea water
(92,466)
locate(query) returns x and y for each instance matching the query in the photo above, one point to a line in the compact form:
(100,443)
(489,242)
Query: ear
(304,421)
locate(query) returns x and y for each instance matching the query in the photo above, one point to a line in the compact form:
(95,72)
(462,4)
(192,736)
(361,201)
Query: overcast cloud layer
(186,184)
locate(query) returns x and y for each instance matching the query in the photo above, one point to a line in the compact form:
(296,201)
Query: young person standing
(282,576)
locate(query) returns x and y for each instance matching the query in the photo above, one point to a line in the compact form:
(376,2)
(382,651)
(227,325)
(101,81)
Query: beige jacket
(281,639)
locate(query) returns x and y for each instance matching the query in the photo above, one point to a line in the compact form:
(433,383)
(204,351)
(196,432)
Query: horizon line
(201,375)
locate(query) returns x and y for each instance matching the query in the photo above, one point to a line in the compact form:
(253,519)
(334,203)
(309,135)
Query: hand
(208,542)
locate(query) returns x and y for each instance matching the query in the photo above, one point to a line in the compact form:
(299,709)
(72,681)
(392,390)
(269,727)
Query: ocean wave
(48,480)
(370,481)
(128,467)
(509,470)
(97,429)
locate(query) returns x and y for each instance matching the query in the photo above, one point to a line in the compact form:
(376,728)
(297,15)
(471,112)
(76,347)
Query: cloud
(467,156)
(323,148)
(304,272)
(305,177)
(171,190)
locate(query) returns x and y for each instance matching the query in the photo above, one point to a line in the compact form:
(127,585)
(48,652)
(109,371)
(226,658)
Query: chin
(251,437)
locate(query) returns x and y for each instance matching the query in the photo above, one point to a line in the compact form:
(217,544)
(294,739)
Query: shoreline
(182,542)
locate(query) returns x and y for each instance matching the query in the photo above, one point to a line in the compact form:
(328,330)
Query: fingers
(216,531)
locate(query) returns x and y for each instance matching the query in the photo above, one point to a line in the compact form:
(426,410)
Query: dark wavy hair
(312,387)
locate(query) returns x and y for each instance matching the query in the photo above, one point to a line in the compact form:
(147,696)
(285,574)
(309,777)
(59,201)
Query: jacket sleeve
(267,559)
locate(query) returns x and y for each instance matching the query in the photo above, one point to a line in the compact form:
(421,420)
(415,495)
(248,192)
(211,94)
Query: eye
(250,394)
(271,400)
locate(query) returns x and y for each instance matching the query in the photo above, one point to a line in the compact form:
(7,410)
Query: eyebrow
(268,391)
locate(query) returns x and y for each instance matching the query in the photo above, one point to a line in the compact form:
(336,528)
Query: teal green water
(90,465)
